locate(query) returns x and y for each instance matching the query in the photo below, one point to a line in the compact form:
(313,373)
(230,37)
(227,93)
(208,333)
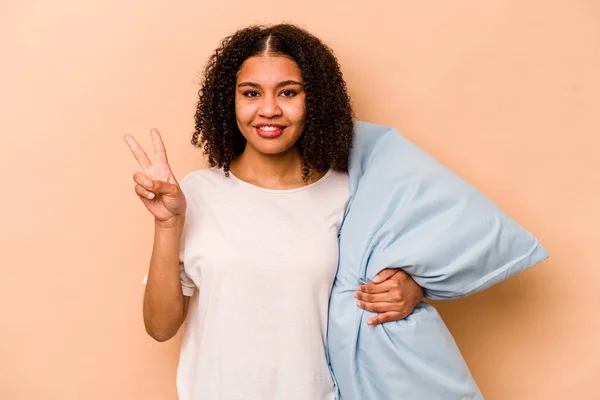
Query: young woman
(257,233)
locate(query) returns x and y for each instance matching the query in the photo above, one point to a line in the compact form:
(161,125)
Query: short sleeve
(187,285)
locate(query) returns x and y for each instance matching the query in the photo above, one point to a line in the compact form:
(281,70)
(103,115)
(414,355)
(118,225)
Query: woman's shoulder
(211,174)
(333,183)
(203,179)
(338,178)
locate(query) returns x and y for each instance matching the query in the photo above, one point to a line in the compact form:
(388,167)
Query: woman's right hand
(155,184)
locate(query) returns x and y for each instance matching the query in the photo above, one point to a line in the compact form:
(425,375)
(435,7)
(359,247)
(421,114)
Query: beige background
(506,93)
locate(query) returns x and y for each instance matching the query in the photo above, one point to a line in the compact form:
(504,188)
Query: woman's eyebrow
(251,84)
(288,83)
(280,84)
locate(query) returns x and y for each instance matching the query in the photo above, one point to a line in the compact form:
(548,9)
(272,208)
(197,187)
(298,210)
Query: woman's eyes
(285,93)
(289,93)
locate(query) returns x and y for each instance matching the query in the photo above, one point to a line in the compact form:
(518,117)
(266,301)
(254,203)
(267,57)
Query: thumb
(385,275)
(162,187)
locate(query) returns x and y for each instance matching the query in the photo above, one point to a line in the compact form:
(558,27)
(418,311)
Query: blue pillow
(409,211)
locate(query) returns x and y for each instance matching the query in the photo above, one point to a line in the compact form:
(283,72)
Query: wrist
(175,222)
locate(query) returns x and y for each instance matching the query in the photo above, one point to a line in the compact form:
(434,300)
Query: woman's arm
(165,306)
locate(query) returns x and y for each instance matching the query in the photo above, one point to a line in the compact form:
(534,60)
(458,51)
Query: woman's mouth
(269,131)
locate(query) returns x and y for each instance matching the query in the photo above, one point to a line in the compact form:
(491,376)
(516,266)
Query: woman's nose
(269,107)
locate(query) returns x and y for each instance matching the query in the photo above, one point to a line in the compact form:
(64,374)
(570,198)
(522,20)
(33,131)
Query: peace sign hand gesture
(156,185)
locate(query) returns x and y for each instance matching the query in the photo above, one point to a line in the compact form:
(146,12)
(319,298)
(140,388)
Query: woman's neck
(278,171)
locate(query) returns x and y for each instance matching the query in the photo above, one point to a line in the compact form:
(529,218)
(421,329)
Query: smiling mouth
(269,131)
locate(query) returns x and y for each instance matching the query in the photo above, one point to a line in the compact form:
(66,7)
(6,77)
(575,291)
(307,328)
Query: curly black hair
(327,137)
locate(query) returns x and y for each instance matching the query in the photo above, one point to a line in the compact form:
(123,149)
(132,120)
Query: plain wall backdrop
(505,93)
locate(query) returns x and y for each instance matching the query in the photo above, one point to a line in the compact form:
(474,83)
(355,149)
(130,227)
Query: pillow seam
(465,290)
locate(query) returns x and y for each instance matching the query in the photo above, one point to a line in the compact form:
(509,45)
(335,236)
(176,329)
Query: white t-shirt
(264,262)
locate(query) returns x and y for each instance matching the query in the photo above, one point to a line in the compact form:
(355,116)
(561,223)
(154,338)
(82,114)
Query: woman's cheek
(296,111)
(244,112)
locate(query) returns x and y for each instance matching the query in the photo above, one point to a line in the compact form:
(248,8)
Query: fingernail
(356,295)
(150,196)
(358,303)
(148,184)
(369,322)
(377,279)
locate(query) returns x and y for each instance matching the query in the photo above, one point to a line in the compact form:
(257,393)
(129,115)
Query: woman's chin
(271,147)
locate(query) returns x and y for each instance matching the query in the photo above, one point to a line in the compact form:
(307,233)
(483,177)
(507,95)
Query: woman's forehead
(269,68)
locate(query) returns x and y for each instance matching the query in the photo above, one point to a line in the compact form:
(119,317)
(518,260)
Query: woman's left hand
(393,294)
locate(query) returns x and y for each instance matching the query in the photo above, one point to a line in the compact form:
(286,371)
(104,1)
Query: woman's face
(270,103)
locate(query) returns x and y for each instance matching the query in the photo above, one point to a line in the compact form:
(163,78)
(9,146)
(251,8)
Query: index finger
(385,274)
(138,152)
(159,147)
(382,287)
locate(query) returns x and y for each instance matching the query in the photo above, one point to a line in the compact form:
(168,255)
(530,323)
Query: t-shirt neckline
(293,190)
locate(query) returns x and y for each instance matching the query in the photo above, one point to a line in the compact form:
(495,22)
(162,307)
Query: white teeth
(268,128)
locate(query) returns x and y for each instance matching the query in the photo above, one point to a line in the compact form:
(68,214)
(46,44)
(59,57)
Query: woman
(257,233)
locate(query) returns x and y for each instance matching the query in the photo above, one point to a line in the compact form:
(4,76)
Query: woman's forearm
(164,304)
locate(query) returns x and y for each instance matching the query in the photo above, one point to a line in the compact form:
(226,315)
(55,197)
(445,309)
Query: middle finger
(373,298)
